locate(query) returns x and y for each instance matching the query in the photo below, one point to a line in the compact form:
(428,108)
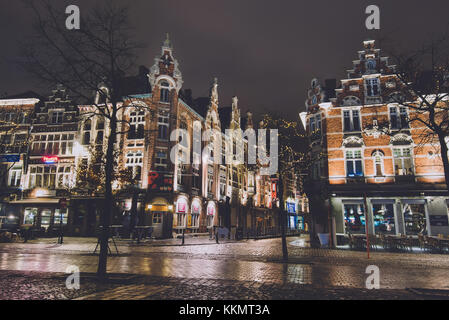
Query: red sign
(50,159)
(211,210)
(182,206)
(160,182)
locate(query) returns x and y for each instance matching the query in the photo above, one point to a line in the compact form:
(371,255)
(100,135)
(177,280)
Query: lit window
(378,162)
(134,163)
(403,162)
(354,166)
(14,177)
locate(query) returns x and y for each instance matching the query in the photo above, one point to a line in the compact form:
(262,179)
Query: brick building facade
(170,196)
(392,180)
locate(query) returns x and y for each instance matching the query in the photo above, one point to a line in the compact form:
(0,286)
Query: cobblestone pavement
(17,285)
(254,262)
(50,286)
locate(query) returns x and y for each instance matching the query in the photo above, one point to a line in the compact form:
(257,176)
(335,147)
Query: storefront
(391,216)
(194,218)
(161,218)
(180,216)
(211,214)
(41,213)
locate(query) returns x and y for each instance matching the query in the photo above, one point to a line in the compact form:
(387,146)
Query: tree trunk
(444,157)
(133,218)
(108,198)
(282,218)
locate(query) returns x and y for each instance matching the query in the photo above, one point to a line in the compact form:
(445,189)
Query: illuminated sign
(211,209)
(182,206)
(196,209)
(160,182)
(50,159)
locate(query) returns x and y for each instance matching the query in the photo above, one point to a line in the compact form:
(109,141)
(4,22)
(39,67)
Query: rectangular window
(384,222)
(354,215)
(163,127)
(414,219)
(29,216)
(394,123)
(351,120)
(157,217)
(161,160)
(399,118)
(60,213)
(403,162)
(372,87)
(404,117)
(14,177)
(354,166)
(312,125)
(56,117)
(165,95)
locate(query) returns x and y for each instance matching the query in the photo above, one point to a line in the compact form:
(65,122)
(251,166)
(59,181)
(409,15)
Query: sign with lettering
(181,206)
(10,158)
(196,208)
(211,209)
(50,159)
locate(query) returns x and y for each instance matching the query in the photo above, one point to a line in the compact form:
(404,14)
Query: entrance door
(157,224)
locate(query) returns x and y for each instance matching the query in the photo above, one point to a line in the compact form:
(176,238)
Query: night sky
(264,51)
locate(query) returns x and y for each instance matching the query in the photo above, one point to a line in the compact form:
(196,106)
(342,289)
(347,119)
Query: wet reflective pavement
(254,261)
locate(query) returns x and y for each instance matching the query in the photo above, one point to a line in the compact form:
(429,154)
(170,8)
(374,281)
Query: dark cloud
(264,51)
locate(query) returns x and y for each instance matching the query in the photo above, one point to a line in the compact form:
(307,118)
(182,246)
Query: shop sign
(50,159)
(10,158)
(182,206)
(196,207)
(211,209)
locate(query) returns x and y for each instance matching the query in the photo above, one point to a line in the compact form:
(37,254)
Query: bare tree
(89,62)
(293,159)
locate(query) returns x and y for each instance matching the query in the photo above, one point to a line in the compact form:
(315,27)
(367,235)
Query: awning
(36,201)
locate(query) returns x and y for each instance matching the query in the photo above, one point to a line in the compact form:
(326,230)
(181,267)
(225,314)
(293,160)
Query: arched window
(165,91)
(378,157)
(351,101)
(371,64)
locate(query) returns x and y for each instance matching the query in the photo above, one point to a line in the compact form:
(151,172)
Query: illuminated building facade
(67,141)
(393,182)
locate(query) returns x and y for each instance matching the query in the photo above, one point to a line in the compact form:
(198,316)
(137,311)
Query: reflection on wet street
(236,261)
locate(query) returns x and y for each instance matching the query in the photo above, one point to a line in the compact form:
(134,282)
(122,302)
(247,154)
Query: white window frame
(351,119)
(402,157)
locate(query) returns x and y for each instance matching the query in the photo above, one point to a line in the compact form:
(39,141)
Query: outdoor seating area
(399,243)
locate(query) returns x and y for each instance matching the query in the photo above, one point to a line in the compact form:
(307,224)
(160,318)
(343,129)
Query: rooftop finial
(167,42)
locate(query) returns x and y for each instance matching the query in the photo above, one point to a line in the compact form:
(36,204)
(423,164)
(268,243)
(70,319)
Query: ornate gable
(315,95)
(166,67)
